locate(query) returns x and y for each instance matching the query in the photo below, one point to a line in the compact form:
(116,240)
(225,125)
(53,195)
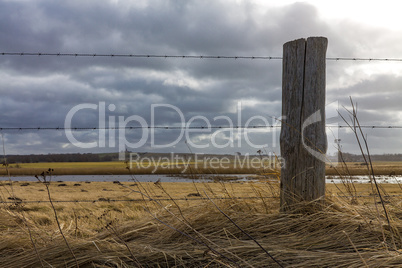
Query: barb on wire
(367,126)
(180,127)
(105,200)
(138,56)
(137,200)
(183,56)
(362,59)
(136,127)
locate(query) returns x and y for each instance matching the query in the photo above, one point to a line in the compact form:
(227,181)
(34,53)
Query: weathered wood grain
(303,139)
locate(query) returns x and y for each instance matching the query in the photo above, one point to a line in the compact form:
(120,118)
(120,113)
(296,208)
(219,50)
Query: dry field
(119,167)
(197,225)
(354,168)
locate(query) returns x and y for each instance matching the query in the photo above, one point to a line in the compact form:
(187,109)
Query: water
(365,179)
(177,178)
(125,178)
(106,178)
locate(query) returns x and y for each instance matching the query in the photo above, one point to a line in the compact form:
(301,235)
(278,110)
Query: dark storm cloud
(378,100)
(40,91)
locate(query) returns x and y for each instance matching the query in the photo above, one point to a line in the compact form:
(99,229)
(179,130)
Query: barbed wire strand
(133,200)
(136,55)
(164,199)
(178,127)
(184,56)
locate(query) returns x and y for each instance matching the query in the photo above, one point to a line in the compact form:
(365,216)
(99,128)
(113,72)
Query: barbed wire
(179,127)
(136,200)
(137,56)
(133,127)
(184,56)
(165,199)
(362,59)
(366,126)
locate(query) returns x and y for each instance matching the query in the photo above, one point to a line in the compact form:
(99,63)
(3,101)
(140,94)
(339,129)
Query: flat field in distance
(360,168)
(126,191)
(166,167)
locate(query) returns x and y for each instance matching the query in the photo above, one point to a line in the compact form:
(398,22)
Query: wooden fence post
(303,139)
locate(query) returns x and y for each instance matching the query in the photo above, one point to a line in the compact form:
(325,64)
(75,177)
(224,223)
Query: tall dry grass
(162,232)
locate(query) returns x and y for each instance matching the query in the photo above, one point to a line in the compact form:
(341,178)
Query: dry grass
(194,233)
(116,167)
(380,168)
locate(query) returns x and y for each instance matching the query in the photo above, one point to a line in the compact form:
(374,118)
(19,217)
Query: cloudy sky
(97,92)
